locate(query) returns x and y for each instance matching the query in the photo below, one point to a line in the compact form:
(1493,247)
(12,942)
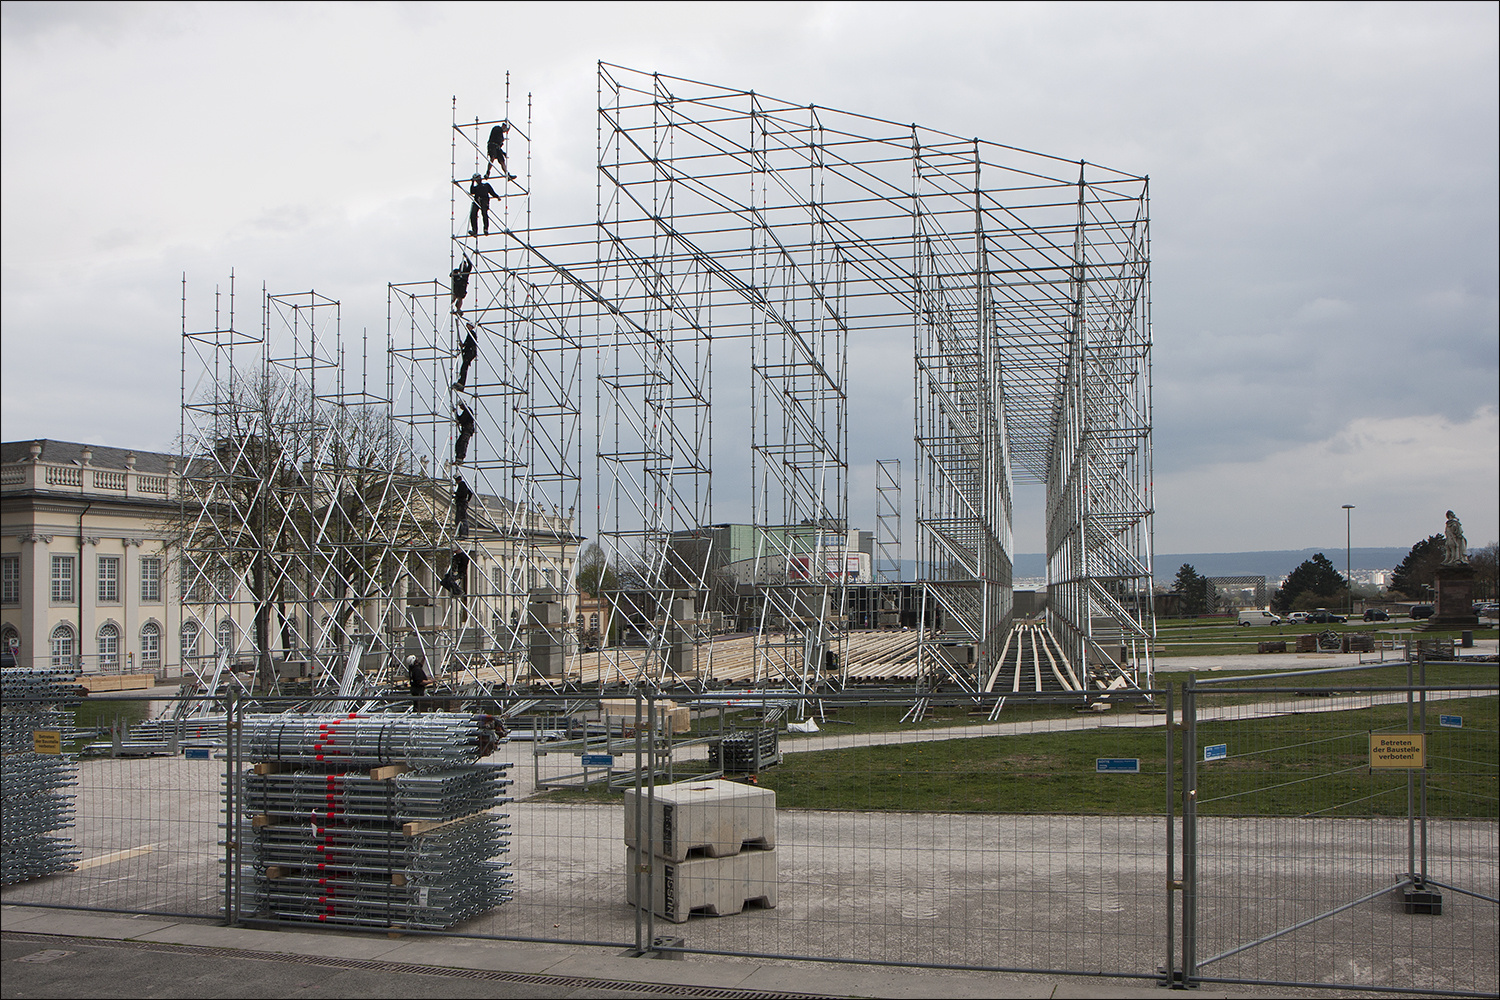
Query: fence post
(1189,833)
(231,810)
(1422,723)
(1173,884)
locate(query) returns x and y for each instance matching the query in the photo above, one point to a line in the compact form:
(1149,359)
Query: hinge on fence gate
(1174,884)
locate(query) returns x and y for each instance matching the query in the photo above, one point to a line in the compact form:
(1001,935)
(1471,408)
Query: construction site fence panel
(1342,828)
(1042,833)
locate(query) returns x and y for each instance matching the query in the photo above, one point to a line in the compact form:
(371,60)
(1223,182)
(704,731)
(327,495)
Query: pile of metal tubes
(355,739)
(36,735)
(374,821)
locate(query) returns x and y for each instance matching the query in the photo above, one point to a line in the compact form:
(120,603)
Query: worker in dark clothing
(416,670)
(469,351)
(461,497)
(458,281)
(496,150)
(465,422)
(456,580)
(480,194)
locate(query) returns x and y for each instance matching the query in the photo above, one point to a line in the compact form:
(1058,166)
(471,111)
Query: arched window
(62,646)
(189,637)
(225,643)
(150,646)
(10,640)
(109,646)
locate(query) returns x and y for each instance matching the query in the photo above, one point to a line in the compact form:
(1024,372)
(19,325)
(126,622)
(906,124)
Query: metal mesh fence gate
(1340,828)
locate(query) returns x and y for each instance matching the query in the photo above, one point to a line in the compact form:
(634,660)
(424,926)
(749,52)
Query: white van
(1255,617)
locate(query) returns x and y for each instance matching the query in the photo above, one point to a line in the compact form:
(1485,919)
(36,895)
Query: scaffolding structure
(887,566)
(779,237)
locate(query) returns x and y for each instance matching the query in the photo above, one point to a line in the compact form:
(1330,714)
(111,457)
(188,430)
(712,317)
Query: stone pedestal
(1455,597)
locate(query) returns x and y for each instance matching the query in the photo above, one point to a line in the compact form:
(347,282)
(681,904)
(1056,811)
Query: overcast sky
(1323,194)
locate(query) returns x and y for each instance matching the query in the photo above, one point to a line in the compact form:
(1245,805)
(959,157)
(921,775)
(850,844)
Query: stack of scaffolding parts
(747,752)
(711,845)
(375,821)
(36,728)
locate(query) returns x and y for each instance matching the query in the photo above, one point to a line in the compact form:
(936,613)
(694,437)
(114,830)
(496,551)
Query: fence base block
(1422,901)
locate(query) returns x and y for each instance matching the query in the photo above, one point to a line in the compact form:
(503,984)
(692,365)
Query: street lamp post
(1348,576)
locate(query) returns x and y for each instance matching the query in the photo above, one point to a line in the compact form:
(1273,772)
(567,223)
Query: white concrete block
(704,817)
(717,886)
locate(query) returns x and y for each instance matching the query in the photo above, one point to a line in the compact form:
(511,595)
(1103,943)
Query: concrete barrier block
(713,818)
(715,886)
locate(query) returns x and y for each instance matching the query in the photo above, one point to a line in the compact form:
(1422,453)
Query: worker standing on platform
(480,194)
(416,670)
(496,150)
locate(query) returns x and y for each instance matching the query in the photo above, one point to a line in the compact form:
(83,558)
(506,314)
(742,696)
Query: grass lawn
(1293,765)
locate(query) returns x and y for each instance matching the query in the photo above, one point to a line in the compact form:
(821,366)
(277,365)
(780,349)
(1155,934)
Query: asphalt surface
(61,954)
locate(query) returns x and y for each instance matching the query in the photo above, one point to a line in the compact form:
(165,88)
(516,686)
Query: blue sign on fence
(1451,721)
(598,760)
(195,753)
(1117,765)
(1216,752)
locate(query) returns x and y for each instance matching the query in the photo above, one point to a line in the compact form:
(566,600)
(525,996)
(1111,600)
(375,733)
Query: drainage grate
(328,961)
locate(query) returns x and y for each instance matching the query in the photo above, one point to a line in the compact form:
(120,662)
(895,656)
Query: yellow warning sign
(46,741)
(1406,750)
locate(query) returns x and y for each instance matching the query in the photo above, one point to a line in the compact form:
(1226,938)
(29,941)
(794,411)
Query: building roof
(71,453)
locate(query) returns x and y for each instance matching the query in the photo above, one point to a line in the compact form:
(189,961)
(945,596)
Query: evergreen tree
(1316,578)
(1198,594)
(1415,574)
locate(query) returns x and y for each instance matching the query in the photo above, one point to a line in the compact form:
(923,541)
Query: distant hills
(1271,564)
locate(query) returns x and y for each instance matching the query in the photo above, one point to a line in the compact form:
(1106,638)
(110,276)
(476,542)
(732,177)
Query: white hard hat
(411,660)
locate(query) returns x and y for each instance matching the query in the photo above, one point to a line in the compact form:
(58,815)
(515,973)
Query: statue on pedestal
(1455,547)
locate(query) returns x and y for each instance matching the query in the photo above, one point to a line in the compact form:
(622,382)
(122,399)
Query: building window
(150,579)
(10,579)
(226,637)
(223,582)
(10,640)
(62,580)
(109,646)
(498,578)
(189,639)
(62,645)
(151,646)
(109,579)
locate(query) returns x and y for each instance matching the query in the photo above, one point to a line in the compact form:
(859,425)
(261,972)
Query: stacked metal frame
(965,547)
(35,801)
(887,568)
(1099,482)
(413,842)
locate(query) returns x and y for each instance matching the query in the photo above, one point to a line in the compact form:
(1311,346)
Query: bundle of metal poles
(375,820)
(36,731)
(355,739)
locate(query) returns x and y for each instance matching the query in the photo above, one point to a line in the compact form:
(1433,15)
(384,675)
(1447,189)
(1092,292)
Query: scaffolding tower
(731,229)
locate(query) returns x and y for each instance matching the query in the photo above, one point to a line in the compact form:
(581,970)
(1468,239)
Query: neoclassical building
(84,576)
(87,578)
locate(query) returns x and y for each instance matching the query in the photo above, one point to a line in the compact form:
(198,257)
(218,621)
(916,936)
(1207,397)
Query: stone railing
(71,478)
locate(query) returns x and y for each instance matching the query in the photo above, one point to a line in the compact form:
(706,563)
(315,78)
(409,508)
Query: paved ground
(68,955)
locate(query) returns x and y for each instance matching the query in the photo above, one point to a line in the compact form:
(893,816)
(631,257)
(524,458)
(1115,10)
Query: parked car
(1376,615)
(1324,616)
(1487,610)
(1257,617)
(1297,616)
(1422,610)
